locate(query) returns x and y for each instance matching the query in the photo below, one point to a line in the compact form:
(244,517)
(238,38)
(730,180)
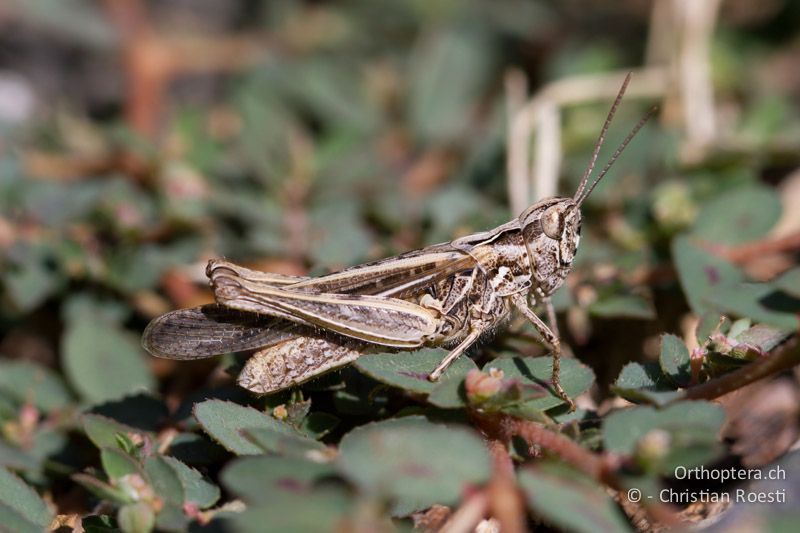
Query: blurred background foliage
(139,139)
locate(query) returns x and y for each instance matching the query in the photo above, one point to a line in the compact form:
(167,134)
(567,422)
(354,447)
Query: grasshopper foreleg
(551,317)
(550,340)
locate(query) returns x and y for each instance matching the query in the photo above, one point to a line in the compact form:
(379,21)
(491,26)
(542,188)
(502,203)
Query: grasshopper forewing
(447,294)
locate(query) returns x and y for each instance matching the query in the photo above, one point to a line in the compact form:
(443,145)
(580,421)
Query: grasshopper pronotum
(443,295)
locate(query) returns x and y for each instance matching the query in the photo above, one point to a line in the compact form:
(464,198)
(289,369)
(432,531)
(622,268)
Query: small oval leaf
(644,383)
(674,360)
(414,462)
(224,421)
(17,495)
(739,215)
(570,501)
(409,370)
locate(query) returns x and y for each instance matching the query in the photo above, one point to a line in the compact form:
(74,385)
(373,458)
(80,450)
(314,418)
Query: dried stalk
(544,111)
(466,518)
(783,359)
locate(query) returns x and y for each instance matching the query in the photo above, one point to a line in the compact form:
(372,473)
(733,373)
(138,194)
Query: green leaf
(739,215)
(765,338)
(257,479)
(15,494)
(674,360)
(576,378)
(789,282)
(409,370)
(117,464)
(164,480)
(324,509)
(570,501)
(702,274)
(414,462)
(224,421)
(759,301)
(172,518)
(627,306)
(101,489)
(101,360)
(693,428)
(15,522)
(136,518)
(103,431)
(196,489)
(449,392)
(26,381)
(738,327)
(644,383)
(17,459)
(281,443)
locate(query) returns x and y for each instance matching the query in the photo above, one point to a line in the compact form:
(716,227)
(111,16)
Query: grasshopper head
(554,219)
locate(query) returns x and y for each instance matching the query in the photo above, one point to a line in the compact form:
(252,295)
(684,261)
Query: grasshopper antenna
(602,137)
(584,193)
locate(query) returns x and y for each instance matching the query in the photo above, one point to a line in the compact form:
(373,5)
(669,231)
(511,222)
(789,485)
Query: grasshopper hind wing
(209,330)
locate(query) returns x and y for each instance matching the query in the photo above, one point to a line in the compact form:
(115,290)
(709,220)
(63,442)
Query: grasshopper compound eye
(553,222)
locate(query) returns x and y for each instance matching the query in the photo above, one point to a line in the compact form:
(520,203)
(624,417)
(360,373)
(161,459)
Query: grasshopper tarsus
(436,296)
(556,379)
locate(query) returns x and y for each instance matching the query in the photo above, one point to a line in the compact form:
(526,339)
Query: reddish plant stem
(505,500)
(750,250)
(503,427)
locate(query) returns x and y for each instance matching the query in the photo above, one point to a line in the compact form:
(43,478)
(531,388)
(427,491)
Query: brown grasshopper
(447,294)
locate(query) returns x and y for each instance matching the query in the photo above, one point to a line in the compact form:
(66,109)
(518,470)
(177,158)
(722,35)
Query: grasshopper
(448,294)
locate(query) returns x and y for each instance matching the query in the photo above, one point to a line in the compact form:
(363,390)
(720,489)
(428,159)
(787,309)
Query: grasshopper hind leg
(296,361)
